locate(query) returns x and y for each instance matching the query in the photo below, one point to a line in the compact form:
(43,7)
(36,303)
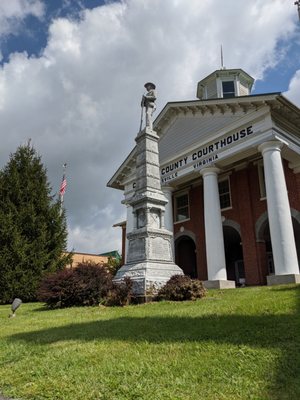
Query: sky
(72,75)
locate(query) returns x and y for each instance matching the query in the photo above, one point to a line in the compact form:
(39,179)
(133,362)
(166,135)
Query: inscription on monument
(160,249)
(136,249)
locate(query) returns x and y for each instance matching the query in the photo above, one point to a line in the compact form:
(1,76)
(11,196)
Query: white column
(215,253)
(169,221)
(129,227)
(279,212)
(169,224)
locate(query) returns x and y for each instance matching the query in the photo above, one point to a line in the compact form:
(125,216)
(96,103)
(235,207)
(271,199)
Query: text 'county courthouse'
(230,169)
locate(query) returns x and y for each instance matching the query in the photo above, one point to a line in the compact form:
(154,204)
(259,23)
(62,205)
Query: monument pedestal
(149,261)
(147,277)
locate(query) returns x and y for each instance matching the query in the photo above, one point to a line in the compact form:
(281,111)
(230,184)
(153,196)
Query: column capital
(209,171)
(273,145)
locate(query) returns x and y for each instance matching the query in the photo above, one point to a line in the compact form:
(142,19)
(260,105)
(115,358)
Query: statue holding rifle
(148,102)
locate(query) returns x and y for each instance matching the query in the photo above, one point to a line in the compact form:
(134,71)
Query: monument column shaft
(215,253)
(147,162)
(279,213)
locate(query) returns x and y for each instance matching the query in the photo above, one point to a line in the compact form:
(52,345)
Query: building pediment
(186,127)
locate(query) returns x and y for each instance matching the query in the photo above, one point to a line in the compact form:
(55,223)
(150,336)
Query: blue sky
(33,34)
(72,74)
(278,78)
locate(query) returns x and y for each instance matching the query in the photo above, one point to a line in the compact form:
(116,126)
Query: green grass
(234,344)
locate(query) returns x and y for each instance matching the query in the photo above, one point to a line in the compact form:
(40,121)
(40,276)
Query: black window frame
(177,207)
(261,180)
(228,93)
(227,203)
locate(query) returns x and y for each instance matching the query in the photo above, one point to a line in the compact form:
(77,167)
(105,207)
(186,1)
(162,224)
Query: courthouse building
(230,169)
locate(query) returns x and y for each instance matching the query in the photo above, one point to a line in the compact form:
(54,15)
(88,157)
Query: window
(261,178)
(228,89)
(224,193)
(182,211)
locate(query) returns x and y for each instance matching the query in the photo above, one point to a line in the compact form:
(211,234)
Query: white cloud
(13,12)
(293,92)
(79,101)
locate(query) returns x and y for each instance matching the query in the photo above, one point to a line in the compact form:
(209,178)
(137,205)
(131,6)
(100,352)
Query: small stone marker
(15,305)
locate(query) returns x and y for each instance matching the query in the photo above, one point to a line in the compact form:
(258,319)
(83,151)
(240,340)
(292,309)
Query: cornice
(235,105)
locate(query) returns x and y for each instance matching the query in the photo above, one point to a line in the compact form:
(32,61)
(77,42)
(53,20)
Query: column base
(282,279)
(219,284)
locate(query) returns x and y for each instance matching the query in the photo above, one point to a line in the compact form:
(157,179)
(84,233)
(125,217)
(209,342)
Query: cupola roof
(224,83)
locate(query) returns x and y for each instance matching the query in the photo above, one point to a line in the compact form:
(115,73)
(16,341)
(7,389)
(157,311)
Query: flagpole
(63,186)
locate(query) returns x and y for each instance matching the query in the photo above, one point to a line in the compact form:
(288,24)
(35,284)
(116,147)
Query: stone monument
(149,261)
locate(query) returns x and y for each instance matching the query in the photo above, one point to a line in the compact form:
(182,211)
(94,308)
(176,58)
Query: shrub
(119,294)
(181,287)
(88,284)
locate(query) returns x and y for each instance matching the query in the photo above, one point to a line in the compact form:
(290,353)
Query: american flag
(63,186)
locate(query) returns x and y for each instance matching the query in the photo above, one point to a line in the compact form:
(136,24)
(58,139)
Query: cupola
(225,83)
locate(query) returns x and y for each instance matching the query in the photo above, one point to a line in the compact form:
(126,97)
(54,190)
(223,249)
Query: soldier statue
(148,101)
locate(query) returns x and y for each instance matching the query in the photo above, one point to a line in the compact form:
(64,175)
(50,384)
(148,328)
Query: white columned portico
(129,226)
(215,253)
(280,220)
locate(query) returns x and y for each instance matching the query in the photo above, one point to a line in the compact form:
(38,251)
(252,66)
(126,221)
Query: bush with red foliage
(119,294)
(88,284)
(181,287)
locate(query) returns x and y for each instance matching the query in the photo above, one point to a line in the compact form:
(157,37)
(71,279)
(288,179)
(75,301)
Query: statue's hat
(150,84)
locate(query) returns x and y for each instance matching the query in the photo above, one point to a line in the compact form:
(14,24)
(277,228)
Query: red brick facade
(247,208)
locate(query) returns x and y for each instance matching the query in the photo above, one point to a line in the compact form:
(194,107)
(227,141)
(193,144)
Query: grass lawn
(234,344)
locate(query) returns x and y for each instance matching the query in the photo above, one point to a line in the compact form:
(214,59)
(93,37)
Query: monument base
(148,276)
(219,284)
(282,279)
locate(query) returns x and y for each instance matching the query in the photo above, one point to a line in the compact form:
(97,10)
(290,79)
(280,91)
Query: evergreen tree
(33,234)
